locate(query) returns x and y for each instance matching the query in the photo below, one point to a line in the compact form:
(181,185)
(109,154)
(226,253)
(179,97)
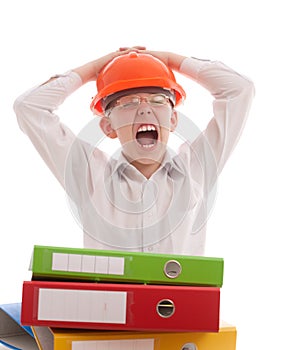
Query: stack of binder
(81,299)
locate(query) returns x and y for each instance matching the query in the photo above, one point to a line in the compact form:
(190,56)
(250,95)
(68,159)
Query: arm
(35,111)
(233,94)
(36,108)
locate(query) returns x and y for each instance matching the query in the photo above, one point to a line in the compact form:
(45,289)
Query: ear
(173,120)
(106,127)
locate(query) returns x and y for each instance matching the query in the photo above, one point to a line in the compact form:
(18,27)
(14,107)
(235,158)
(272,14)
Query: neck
(146,169)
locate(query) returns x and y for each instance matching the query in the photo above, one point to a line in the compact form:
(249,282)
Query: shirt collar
(171,163)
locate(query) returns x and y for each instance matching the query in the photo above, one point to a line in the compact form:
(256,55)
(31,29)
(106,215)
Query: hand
(90,70)
(163,56)
(132,48)
(170,59)
(101,62)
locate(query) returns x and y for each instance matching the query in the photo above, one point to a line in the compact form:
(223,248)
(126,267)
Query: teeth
(144,128)
(148,146)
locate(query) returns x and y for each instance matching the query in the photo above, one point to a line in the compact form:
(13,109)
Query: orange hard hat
(134,70)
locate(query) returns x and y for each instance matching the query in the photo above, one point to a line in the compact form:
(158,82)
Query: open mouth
(147,135)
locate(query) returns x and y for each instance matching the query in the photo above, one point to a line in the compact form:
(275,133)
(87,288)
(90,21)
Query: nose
(144,110)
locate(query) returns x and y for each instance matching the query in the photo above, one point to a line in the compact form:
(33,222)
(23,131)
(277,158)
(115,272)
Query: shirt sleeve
(35,114)
(233,94)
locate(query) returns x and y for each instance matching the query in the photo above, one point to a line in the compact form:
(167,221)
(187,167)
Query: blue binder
(12,334)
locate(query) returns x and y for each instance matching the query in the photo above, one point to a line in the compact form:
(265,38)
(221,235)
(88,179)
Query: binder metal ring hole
(165,308)
(189,346)
(172,269)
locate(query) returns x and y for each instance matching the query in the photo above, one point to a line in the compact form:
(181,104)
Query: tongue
(146,138)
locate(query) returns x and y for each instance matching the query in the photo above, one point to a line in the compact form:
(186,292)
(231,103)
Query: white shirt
(118,207)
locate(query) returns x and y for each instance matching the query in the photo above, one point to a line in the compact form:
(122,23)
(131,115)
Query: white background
(40,38)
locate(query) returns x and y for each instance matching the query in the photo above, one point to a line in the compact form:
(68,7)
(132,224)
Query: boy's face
(142,123)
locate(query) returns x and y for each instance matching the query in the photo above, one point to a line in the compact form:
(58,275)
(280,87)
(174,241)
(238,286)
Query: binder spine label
(88,263)
(82,305)
(125,344)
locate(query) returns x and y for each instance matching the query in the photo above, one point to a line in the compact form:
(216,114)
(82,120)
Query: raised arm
(35,111)
(233,94)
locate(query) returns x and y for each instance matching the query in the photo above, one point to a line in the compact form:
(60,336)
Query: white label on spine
(82,306)
(117,344)
(88,263)
(75,262)
(59,262)
(101,264)
(115,265)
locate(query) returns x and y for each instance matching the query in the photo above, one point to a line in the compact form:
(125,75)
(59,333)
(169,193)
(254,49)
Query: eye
(129,101)
(158,99)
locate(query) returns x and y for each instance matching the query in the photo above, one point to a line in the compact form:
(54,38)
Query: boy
(146,199)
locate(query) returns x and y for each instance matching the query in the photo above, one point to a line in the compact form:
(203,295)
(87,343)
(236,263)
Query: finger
(140,47)
(127,48)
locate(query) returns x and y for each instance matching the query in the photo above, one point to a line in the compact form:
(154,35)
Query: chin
(150,158)
(145,156)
